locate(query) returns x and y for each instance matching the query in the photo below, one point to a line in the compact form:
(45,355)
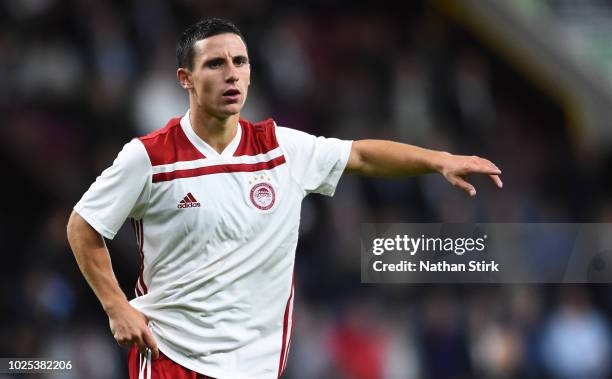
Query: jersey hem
(338,169)
(200,370)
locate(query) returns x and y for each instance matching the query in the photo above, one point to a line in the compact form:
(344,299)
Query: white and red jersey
(217,235)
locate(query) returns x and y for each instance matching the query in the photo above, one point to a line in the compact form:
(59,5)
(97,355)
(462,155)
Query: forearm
(388,158)
(94,262)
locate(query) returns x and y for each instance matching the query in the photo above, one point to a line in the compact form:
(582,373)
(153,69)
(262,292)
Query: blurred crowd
(80,78)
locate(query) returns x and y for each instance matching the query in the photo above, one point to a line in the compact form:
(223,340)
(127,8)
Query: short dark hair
(200,30)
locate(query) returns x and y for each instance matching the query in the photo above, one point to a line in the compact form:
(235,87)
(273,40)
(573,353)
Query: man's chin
(230,110)
(224,111)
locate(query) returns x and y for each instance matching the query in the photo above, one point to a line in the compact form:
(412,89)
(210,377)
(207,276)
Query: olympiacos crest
(262,196)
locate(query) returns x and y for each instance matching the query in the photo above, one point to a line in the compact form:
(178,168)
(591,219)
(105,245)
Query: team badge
(261,193)
(262,196)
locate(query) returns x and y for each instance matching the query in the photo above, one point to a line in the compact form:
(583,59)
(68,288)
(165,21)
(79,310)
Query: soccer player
(215,204)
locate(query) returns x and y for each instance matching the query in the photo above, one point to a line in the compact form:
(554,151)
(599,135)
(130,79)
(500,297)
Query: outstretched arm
(388,158)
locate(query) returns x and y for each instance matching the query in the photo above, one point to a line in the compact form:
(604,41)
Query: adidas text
(188,205)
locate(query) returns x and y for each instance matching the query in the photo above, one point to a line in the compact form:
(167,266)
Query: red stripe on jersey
(292,325)
(281,363)
(256,138)
(170,145)
(137,233)
(218,169)
(142,283)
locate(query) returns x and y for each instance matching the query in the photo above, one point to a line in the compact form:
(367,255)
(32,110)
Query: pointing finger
(497,180)
(467,187)
(491,164)
(487,170)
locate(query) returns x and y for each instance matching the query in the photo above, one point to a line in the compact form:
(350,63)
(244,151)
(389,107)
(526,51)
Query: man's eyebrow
(213,59)
(220,59)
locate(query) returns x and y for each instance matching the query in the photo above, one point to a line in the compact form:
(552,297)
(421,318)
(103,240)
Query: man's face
(220,76)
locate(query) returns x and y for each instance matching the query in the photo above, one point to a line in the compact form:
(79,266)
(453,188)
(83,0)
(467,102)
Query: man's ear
(184,77)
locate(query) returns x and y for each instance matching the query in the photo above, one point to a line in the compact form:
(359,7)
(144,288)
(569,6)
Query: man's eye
(239,61)
(215,64)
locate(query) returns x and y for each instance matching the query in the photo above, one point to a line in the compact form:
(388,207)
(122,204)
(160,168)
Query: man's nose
(231,75)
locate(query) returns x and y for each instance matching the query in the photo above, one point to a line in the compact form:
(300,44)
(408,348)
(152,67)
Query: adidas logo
(189,202)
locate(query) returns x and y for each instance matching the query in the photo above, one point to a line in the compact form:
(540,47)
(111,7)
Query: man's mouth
(231,93)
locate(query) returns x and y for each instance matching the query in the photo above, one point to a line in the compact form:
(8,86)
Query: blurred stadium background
(525,83)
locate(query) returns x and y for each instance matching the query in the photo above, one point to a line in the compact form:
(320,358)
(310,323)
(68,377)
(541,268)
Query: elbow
(356,163)
(77,230)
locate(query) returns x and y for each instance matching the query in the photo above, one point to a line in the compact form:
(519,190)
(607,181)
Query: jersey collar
(205,148)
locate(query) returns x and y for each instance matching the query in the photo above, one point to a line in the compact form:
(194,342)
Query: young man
(215,203)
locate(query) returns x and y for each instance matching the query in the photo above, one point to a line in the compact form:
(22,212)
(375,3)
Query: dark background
(78,79)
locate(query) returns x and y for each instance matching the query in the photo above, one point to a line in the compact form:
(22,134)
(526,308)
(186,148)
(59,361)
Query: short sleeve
(317,163)
(121,191)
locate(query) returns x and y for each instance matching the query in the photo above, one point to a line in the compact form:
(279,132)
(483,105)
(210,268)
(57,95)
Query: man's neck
(216,132)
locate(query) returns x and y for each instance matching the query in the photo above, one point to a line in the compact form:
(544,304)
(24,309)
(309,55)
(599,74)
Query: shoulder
(167,131)
(293,140)
(131,160)
(257,138)
(289,135)
(169,145)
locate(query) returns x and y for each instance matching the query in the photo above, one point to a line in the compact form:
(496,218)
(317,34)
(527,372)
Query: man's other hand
(456,168)
(129,327)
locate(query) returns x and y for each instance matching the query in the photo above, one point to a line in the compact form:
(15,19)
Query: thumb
(150,342)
